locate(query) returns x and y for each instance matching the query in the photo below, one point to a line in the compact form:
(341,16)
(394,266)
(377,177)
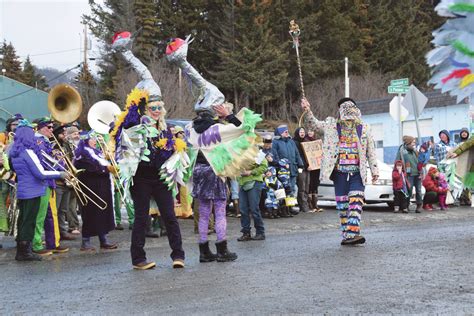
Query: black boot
(25,253)
(244,237)
(205,254)
(276,213)
(223,254)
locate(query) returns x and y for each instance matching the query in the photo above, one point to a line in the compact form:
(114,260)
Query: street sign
(398,89)
(399,82)
(414,101)
(395,104)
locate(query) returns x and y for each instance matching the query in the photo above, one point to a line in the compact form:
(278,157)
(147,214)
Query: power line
(54,52)
(32,88)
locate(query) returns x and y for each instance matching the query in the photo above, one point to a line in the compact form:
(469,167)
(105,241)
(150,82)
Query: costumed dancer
(47,220)
(97,176)
(223,150)
(348,148)
(465,167)
(150,159)
(31,186)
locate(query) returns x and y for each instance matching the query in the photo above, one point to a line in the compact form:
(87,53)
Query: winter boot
(244,237)
(223,254)
(315,199)
(205,254)
(418,208)
(25,253)
(275,213)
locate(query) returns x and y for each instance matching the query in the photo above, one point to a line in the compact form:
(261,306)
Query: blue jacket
(286,148)
(31,176)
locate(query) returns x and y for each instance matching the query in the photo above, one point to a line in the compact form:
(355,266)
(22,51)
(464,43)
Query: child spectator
(270,185)
(431,184)
(423,156)
(283,174)
(443,185)
(400,187)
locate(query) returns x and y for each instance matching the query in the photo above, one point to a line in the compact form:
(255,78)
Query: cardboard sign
(313,152)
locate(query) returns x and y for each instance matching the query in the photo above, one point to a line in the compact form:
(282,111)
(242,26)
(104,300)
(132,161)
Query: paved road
(411,263)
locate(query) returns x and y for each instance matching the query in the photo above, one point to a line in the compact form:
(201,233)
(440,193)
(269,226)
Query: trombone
(74,181)
(113,162)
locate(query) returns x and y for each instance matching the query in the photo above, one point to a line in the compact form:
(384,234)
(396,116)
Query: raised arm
(310,121)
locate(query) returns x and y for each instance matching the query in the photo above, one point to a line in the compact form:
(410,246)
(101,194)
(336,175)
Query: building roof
(435,99)
(16,97)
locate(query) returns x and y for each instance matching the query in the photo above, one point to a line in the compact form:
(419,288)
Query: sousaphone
(64,103)
(101,115)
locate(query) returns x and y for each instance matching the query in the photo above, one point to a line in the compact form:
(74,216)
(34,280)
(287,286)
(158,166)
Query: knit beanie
(281,129)
(71,130)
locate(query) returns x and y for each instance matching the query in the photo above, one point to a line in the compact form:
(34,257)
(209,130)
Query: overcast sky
(43,28)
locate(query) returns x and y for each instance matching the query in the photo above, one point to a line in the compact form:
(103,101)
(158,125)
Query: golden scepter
(295,35)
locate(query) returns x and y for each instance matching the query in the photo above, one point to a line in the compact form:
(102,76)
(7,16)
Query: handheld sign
(313,152)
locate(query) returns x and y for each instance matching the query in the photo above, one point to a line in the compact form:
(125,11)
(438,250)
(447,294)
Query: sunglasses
(50,126)
(155,108)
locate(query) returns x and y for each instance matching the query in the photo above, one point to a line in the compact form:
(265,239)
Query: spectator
(270,185)
(463,135)
(441,149)
(443,186)
(409,156)
(431,184)
(303,177)
(423,156)
(284,147)
(250,183)
(267,150)
(313,181)
(400,188)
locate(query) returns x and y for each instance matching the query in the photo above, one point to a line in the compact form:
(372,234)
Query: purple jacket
(31,176)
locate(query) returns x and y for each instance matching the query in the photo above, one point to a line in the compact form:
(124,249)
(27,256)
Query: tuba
(101,115)
(64,103)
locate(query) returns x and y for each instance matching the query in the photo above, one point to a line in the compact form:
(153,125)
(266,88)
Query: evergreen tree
(31,77)
(11,62)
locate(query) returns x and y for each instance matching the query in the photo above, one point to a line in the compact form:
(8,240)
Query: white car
(379,192)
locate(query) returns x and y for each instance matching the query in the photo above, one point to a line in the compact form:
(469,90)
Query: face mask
(349,111)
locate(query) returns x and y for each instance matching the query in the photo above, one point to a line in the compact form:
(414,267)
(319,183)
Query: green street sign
(399,82)
(398,89)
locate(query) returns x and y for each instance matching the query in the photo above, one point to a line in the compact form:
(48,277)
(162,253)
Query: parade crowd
(216,166)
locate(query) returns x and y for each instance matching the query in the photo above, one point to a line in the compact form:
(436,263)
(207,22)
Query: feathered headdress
(452,58)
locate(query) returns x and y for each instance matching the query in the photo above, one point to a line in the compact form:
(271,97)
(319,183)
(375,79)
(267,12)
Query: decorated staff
(151,160)
(295,35)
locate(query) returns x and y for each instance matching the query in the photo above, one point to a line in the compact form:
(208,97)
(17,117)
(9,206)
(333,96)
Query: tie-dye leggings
(349,201)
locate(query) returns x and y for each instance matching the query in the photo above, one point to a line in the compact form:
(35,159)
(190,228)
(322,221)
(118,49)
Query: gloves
(63,175)
(112,170)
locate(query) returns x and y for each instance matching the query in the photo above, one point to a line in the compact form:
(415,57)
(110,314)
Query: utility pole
(85,50)
(346,76)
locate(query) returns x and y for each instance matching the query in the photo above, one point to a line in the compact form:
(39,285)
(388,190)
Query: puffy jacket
(431,183)
(286,148)
(31,176)
(397,180)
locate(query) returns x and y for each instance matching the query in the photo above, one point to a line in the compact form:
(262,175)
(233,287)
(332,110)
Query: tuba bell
(64,103)
(101,115)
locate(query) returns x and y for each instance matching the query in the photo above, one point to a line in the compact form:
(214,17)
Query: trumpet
(108,155)
(74,182)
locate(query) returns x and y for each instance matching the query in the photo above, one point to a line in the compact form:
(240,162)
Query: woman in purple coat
(31,185)
(96,176)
